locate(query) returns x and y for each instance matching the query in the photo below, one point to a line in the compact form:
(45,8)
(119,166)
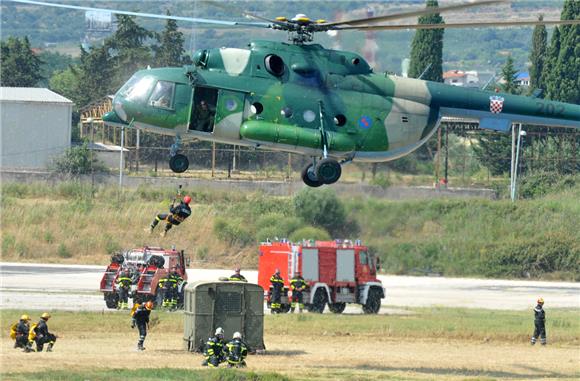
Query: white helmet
(237,335)
(219,331)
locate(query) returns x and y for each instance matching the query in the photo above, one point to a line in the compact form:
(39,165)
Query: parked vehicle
(146,267)
(337,272)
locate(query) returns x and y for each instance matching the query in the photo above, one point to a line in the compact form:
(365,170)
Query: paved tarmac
(75,287)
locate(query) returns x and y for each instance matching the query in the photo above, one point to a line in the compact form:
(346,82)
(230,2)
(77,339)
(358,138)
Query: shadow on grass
(277,352)
(531,374)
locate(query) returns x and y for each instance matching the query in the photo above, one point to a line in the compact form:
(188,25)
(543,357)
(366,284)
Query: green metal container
(234,306)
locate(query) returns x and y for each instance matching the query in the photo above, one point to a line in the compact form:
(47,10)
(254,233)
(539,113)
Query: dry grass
(94,341)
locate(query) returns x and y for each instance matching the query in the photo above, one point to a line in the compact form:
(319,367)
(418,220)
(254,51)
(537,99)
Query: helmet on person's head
(24,317)
(149,305)
(187,200)
(540,300)
(219,332)
(237,269)
(237,335)
(45,316)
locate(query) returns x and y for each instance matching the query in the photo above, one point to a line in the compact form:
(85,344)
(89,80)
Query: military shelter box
(234,306)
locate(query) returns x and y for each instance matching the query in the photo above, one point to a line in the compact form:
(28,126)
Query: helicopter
(299,97)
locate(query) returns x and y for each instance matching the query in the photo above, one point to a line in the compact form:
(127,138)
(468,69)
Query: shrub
(233,231)
(310,232)
(77,161)
(321,208)
(542,183)
(63,252)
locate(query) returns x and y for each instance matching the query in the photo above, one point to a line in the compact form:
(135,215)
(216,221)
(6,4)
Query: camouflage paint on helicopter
(307,99)
(303,98)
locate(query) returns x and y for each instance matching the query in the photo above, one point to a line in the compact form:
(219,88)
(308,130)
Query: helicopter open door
(203,109)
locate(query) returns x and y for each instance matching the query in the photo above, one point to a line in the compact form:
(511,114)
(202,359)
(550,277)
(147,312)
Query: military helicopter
(301,98)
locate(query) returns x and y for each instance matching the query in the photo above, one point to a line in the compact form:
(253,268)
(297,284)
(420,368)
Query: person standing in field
(140,318)
(539,323)
(277,287)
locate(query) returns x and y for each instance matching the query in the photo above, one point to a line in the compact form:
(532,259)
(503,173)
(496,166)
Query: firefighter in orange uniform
(277,287)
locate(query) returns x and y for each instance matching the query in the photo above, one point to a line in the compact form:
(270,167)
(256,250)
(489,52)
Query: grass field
(426,344)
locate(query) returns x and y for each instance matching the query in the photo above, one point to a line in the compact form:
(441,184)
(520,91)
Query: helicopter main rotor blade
(244,13)
(460,25)
(148,15)
(422,12)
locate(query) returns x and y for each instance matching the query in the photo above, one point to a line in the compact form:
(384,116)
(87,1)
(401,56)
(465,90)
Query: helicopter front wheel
(328,171)
(178,163)
(309,177)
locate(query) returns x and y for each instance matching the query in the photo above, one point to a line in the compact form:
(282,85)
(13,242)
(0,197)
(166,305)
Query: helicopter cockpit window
(363,258)
(162,95)
(137,88)
(274,64)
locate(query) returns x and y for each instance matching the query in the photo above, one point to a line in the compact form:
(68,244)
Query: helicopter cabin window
(203,112)
(162,95)
(363,258)
(137,88)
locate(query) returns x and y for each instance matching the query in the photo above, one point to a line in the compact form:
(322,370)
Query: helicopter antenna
(424,71)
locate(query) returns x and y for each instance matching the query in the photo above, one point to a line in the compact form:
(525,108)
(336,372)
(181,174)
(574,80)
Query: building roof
(31,94)
(522,76)
(454,74)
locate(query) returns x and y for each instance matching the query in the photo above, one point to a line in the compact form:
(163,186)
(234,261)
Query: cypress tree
(427,48)
(538,56)
(19,66)
(567,80)
(550,65)
(171,51)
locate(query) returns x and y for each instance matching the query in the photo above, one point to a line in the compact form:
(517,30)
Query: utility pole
(121,158)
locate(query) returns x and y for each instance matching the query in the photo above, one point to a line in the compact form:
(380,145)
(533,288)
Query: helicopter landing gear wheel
(309,177)
(179,163)
(328,171)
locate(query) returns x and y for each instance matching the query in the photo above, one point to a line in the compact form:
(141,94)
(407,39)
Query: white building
(461,78)
(35,126)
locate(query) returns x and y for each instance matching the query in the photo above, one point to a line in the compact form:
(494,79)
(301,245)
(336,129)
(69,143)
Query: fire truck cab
(146,267)
(337,272)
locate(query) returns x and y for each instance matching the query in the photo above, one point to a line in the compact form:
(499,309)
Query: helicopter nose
(117,115)
(112,118)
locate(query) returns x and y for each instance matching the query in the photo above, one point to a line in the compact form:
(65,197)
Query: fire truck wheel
(319,301)
(336,308)
(112,300)
(285,308)
(373,304)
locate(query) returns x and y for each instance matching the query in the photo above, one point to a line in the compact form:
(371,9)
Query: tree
(564,79)
(94,75)
(127,50)
(427,48)
(19,67)
(538,56)
(550,64)
(171,51)
(508,73)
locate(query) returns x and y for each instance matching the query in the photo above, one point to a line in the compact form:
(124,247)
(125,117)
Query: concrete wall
(275,188)
(32,133)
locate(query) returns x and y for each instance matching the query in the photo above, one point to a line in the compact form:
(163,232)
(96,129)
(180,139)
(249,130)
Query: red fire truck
(337,272)
(146,267)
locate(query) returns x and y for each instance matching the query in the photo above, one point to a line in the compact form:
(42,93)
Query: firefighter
(42,334)
(177,214)
(236,351)
(214,349)
(140,318)
(20,331)
(277,284)
(165,286)
(297,285)
(539,323)
(124,282)
(174,281)
(237,277)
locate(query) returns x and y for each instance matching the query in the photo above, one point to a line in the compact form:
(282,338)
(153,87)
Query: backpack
(32,332)
(13,331)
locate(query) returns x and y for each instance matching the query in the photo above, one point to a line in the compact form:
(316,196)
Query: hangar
(35,126)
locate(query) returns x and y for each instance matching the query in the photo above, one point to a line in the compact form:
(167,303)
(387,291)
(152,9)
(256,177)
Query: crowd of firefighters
(168,285)
(297,285)
(25,335)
